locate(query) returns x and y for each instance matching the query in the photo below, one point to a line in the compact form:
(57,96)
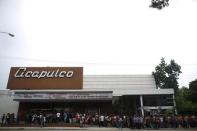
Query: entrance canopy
(61,96)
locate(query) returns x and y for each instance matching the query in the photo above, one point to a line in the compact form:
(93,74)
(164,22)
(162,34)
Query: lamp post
(10,34)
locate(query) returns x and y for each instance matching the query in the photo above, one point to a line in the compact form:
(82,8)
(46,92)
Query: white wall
(7,105)
(119,82)
(124,84)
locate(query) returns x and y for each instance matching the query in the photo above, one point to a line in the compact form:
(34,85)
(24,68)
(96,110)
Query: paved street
(83,129)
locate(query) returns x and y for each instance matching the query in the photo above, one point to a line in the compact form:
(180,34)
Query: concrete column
(175,110)
(142,106)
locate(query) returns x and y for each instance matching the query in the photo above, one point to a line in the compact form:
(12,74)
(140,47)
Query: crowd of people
(104,120)
(7,119)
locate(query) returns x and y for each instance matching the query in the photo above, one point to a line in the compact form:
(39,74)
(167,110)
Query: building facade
(54,89)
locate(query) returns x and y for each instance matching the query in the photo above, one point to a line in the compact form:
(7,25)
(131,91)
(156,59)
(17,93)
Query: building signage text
(63,96)
(22,72)
(45,78)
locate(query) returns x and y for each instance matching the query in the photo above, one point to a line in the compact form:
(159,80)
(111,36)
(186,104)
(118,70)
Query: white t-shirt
(102,118)
(58,115)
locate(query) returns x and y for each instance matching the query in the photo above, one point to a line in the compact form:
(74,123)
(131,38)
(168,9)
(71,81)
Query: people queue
(7,119)
(105,120)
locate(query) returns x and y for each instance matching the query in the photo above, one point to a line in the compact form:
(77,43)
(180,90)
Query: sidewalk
(86,128)
(43,128)
(63,128)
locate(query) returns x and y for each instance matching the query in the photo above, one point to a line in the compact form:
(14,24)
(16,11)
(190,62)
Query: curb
(41,128)
(85,128)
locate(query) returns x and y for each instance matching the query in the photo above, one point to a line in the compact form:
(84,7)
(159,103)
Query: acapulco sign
(22,72)
(32,78)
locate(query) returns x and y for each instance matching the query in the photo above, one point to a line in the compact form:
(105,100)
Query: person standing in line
(44,120)
(3,120)
(99,121)
(8,119)
(58,117)
(141,122)
(65,117)
(70,117)
(120,123)
(102,120)
(135,122)
(81,121)
(161,122)
(41,120)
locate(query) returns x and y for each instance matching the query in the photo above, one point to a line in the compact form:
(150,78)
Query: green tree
(184,105)
(166,75)
(193,90)
(159,4)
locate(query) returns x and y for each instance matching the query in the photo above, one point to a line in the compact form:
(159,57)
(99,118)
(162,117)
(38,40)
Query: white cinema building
(128,94)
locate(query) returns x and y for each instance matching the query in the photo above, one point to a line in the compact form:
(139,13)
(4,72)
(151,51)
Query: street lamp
(10,34)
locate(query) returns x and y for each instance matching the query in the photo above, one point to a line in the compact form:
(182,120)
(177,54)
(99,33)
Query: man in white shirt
(58,116)
(102,120)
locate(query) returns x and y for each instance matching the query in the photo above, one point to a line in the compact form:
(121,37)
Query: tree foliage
(166,75)
(193,90)
(159,4)
(183,102)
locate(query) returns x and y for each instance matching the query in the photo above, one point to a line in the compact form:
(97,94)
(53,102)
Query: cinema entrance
(54,102)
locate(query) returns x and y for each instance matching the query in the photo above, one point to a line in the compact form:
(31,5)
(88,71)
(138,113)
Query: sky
(103,36)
